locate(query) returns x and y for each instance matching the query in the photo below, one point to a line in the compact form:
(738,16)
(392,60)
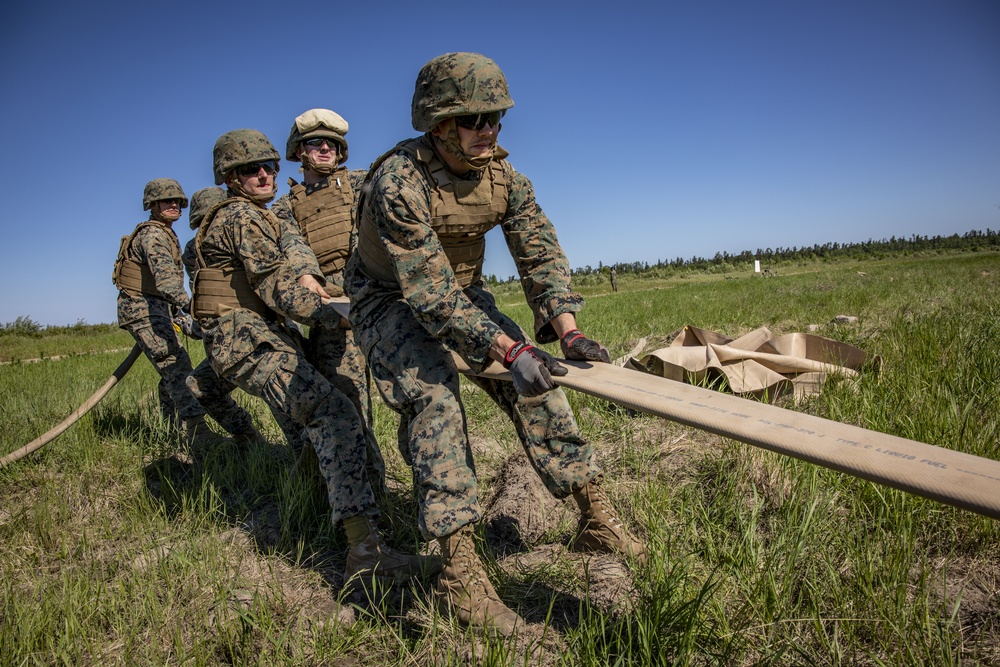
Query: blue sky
(650,130)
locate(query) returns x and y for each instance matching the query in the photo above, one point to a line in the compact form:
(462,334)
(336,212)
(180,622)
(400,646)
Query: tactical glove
(532,369)
(190,328)
(577,346)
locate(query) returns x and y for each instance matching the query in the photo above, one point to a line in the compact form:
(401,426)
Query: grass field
(116,548)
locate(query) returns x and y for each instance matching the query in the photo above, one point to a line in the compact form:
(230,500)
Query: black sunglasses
(478,121)
(269,166)
(319,141)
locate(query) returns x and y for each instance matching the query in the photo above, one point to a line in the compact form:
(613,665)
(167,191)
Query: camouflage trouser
(416,376)
(337,356)
(277,371)
(214,394)
(158,340)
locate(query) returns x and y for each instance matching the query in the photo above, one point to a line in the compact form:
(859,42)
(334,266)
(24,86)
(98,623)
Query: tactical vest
(136,278)
(461,214)
(324,216)
(218,291)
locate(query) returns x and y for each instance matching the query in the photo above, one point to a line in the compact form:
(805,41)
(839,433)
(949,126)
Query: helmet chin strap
(260,200)
(450,142)
(159,217)
(324,169)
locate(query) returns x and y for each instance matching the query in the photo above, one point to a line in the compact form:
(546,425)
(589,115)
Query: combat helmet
(457,84)
(201,202)
(240,147)
(159,189)
(317,123)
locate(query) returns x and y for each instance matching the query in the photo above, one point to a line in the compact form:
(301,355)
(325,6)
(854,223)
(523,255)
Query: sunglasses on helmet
(269,167)
(478,121)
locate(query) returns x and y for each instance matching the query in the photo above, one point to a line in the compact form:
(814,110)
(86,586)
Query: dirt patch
(521,512)
(973,586)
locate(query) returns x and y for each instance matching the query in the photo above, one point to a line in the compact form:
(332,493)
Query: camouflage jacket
(397,197)
(154,245)
(273,254)
(283,209)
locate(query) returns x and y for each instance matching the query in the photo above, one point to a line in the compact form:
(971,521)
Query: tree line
(721,262)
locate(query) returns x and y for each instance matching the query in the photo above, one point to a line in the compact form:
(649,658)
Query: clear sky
(651,130)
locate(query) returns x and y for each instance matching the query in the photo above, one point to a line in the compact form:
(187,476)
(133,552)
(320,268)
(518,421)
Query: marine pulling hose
(945,475)
(74,416)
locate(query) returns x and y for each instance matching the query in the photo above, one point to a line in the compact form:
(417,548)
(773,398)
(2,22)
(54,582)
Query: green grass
(116,549)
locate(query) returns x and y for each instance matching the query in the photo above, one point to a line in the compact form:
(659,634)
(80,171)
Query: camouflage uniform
(261,357)
(150,321)
(333,350)
(206,385)
(408,326)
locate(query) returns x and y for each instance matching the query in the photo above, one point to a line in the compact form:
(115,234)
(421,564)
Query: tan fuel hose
(84,408)
(948,476)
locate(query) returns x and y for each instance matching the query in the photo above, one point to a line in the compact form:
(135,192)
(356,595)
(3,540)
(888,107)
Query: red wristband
(514,352)
(572,336)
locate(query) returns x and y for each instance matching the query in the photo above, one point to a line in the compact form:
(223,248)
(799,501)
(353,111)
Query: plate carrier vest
(324,216)
(461,214)
(136,278)
(218,291)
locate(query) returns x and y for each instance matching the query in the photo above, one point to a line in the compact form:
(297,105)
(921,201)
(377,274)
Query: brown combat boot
(196,432)
(464,590)
(600,530)
(369,557)
(249,437)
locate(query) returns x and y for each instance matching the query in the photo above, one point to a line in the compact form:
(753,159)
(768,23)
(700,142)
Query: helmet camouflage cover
(457,84)
(240,147)
(201,202)
(159,189)
(317,123)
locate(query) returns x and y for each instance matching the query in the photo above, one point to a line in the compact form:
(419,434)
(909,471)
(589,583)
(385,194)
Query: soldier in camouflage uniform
(150,280)
(255,270)
(417,296)
(322,207)
(212,391)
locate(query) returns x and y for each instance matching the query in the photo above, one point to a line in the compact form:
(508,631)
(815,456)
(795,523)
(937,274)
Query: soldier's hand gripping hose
(577,346)
(532,369)
(186,323)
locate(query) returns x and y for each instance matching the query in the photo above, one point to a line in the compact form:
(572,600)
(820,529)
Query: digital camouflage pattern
(262,358)
(159,189)
(457,84)
(158,339)
(417,378)
(154,245)
(150,321)
(240,147)
(399,207)
(273,254)
(333,350)
(215,395)
(407,327)
(201,202)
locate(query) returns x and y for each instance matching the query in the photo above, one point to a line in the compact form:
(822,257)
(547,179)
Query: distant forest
(772,258)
